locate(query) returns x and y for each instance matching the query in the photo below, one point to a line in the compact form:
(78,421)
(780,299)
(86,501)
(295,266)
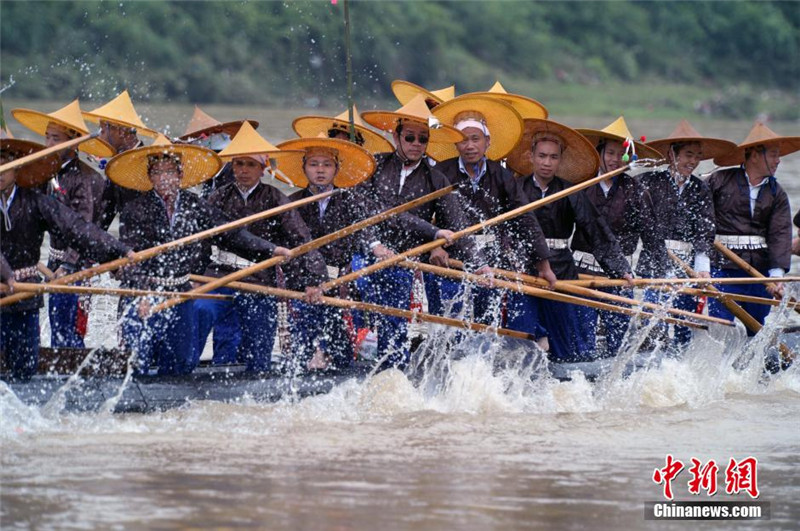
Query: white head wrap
(472,122)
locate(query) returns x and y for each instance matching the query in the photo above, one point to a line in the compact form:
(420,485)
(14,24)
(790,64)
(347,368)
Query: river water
(480,449)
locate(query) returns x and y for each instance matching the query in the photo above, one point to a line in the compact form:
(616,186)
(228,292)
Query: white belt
(333,272)
(557,243)
(587,261)
(678,246)
(742,242)
(26,273)
(168,282)
(229,259)
(58,255)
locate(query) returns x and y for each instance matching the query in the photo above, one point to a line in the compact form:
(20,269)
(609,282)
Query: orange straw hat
(356,164)
(497,119)
(129,169)
(526,107)
(711,147)
(203,125)
(69,117)
(413,111)
(311,126)
(405,91)
(120,111)
(618,130)
(33,173)
(760,135)
(248,143)
(579,158)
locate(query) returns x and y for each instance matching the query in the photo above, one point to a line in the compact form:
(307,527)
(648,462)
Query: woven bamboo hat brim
(759,135)
(311,126)
(69,117)
(526,107)
(405,91)
(120,111)
(248,142)
(711,147)
(414,111)
(356,164)
(129,169)
(34,173)
(579,159)
(502,121)
(618,130)
(202,124)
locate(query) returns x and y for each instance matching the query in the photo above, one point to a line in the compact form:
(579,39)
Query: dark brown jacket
(771,218)
(6,273)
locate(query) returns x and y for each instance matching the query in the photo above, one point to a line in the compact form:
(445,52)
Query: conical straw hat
(760,134)
(69,117)
(414,111)
(526,107)
(33,173)
(311,126)
(120,111)
(129,169)
(405,91)
(202,124)
(618,130)
(711,147)
(356,164)
(502,121)
(248,143)
(579,160)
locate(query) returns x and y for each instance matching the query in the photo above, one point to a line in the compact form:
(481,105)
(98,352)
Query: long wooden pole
(374,308)
(735,297)
(29,287)
(349,70)
(511,214)
(146,254)
(47,151)
(309,246)
(646,282)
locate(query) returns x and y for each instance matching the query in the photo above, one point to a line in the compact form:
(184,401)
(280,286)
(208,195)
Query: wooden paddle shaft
(734,296)
(374,308)
(648,282)
(122,292)
(47,151)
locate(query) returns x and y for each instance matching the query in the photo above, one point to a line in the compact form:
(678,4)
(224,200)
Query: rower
(80,187)
(328,164)
(166,211)
(620,201)
(489,190)
(682,206)
(400,177)
(753,216)
(26,215)
(561,156)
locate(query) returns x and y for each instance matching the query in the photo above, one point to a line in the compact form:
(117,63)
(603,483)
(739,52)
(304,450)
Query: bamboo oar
(310,246)
(373,308)
(29,287)
(511,214)
(540,292)
(595,294)
(47,151)
(146,254)
(647,282)
(695,292)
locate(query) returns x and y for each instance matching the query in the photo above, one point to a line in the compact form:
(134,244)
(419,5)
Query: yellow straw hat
(120,111)
(579,158)
(618,130)
(248,143)
(69,117)
(311,126)
(356,164)
(202,124)
(526,107)
(129,169)
(503,123)
(405,91)
(711,147)
(759,135)
(33,173)
(414,111)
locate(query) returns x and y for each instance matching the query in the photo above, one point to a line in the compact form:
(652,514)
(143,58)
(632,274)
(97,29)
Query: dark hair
(753,149)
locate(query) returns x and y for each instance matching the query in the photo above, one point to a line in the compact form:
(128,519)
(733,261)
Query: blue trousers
(681,334)
(443,293)
(19,342)
(758,311)
(63,312)
(167,338)
(615,324)
(258,319)
(224,319)
(320,326)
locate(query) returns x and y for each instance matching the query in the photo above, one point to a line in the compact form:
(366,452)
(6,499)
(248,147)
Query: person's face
(166,177)
(612,155)
(766,162)
(247,172)
(413,140)
(320,170)
(119,137)
(687,159)
(55,134)
(546,158)
(474,147)
(7,178)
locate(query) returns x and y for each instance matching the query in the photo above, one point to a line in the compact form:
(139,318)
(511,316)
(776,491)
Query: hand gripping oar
(47,151)
(511,214)
(146,254)
(367,307)
(309,246)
